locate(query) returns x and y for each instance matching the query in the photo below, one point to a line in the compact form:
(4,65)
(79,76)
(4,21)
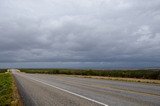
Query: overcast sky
(96,31)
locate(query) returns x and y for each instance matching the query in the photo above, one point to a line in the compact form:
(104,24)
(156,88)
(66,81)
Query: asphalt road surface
(61,90)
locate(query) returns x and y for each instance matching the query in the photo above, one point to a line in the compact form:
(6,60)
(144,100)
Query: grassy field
(8,91)
(5,89)
(140,74)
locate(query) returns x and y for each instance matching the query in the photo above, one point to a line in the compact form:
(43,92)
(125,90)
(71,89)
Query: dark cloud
(124,31)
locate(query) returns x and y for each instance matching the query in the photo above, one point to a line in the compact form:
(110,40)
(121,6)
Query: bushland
(142,74)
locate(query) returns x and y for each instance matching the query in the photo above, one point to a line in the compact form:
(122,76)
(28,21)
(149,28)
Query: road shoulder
(17,100)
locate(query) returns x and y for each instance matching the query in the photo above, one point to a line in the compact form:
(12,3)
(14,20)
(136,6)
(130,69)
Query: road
(61,90)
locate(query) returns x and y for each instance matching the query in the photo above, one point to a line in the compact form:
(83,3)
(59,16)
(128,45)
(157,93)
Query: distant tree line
(3,70)
(143,74)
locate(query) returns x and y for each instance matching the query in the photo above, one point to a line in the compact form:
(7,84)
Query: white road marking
(81,96)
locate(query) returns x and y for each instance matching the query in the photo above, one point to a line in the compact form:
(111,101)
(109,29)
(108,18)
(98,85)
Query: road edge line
(69,92)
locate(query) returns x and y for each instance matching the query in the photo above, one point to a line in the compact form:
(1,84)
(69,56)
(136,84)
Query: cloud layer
(80,31)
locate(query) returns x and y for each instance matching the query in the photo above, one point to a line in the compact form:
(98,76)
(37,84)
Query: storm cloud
(123,31)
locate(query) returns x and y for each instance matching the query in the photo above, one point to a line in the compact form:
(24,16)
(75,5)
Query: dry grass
(121,79)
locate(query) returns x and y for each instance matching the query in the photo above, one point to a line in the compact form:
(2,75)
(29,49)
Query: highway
(63,90)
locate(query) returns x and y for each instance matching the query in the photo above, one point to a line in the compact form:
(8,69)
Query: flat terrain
(59,90)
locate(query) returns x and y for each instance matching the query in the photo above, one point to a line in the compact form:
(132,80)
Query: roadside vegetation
(8,91)
(5,89)
(3,70)
(141,74)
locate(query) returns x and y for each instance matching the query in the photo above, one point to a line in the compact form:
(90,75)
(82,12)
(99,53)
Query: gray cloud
(80,31)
